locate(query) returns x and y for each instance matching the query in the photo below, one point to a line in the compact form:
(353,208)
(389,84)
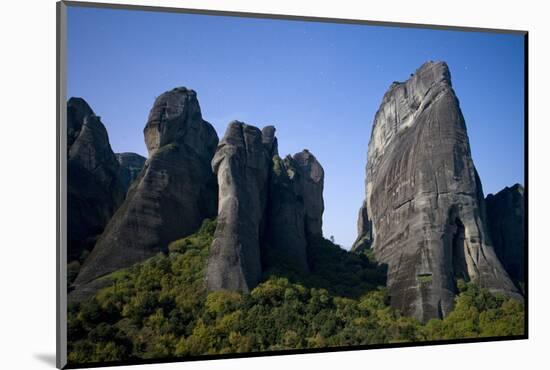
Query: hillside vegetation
(160,309)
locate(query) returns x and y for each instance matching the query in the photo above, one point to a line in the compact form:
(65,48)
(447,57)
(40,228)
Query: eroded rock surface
(94,189)
(312,185)
(130,165)
(268,208)
(174,193)
(364,230)
(241,163)
(506,221)
(424,201)
(285,245)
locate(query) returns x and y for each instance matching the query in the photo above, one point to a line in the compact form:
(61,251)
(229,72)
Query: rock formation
(506,221)
(130,165)
(270,140)
(173,194)
(241,164)
(424,203)
(295,210)
(268,208)
(285,243)
(364,230)
(94,190)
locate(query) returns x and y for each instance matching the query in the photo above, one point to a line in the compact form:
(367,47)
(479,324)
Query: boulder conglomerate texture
(173,194)
(94,190)
(506,221)
(424,203)
(130,165)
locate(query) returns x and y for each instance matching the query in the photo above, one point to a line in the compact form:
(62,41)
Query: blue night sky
(320,84)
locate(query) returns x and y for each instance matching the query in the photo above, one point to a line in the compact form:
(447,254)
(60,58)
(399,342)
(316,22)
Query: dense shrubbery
(160,309)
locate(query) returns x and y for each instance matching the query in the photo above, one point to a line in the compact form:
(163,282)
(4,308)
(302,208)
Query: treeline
(160,308)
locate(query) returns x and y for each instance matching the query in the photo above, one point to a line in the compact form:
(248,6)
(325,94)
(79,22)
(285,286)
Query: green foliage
(425,279)
(160,308)
(477,313)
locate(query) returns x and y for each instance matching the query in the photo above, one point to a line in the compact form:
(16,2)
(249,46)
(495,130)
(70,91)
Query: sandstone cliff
(94,189)
(173,194)
(424,207)
(506,221)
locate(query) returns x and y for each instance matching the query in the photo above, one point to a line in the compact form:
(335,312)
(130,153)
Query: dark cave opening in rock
(460,270)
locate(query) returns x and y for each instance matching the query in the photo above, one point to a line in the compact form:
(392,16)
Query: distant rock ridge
(267,208)
(506,221)
(173,194)
(424,213)
(94,190)
(130,165)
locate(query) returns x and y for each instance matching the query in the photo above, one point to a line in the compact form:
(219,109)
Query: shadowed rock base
(506,220)
(130,165)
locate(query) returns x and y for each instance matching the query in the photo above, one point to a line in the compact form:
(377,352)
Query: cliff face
(295,211)
(313,177)
(268,208)
(172,195)
(130,165)
(423,213)
(94,189)
(242,166)
(364,231)
(506,221)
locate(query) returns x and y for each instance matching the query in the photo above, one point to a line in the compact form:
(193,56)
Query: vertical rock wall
(173,194)
(424,202)
(506,221)
(130,166)
(241,164)
(94,189)
(268,208)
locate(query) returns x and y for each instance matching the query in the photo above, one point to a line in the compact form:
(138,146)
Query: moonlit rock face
(164,123)
(241,163)
(94,190)
(313,177)
(173,194)
(295,210)
(131,165)
(424,210)
(270,140)
(506,220)
(268,208)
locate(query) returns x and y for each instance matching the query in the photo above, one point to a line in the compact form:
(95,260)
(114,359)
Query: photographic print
(241,185)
